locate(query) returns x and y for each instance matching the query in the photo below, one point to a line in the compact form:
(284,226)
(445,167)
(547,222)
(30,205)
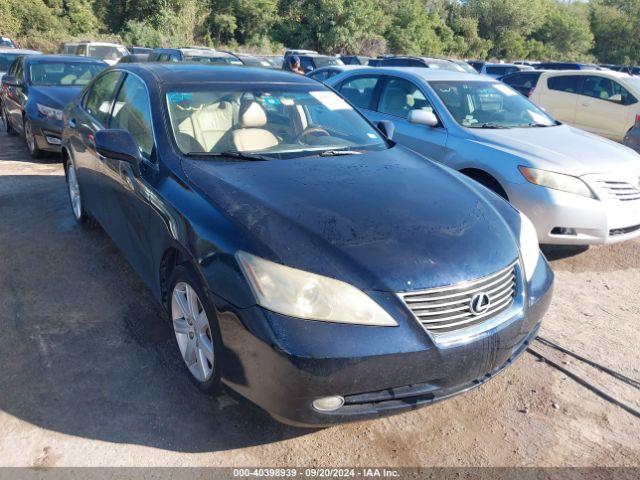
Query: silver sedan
(577,188)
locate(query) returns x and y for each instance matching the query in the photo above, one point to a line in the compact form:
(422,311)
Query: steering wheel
(312,130)
(496,114)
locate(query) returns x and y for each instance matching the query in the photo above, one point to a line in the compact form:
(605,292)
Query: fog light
(563,231)
(328,404)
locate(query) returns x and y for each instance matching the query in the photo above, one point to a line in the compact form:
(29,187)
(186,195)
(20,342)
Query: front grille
(621,190)
(446,309)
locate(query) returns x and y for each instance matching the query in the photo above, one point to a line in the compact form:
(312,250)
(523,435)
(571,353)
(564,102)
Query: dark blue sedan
(305,260)
(36,89)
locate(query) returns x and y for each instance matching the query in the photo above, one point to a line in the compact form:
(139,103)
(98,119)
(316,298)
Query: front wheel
(30,138)
(73,187)
(5,120)
(196,329)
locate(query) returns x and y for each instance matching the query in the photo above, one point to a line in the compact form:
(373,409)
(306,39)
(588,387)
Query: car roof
(192,73)
(63,59)
(609,73)
(426,74)
(19,51)
(101,44)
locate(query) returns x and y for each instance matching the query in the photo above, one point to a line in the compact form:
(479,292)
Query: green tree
(507,23)
(566,32)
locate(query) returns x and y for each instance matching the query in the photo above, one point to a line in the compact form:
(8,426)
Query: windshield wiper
(335,152)
(541,125)
(489,125)
(230,154)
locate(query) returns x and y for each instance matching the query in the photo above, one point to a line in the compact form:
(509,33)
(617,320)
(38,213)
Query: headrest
(253,116)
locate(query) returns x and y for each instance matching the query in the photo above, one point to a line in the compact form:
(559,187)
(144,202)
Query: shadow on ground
(85,349)
(559,252)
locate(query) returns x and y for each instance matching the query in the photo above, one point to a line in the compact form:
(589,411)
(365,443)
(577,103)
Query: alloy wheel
(28,133)
(74,191)
(193,332)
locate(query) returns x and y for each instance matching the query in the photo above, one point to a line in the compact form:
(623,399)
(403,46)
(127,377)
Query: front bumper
(283,364)
(591,221)
(48,135)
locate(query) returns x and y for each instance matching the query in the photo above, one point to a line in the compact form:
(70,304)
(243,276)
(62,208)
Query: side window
(82,50)
(400,96)
(321,76)
(132,112)
(604,88)
(19,69)
(564,83)
(100,96)
(359,91)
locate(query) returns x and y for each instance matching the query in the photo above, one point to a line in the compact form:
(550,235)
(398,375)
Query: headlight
(557,181)
(309,296)
(49,112)
(529,248)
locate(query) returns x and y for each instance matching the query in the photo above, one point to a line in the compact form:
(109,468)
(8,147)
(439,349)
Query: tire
(7,127)
(73,188)
(197,335)
(489,182)
(30,139)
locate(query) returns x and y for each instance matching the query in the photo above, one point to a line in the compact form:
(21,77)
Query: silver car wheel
(192,330)
(28,133)
(74,191)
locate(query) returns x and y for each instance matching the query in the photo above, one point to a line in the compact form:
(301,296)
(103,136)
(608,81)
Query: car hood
(57,97)
(560,149)
(389,220)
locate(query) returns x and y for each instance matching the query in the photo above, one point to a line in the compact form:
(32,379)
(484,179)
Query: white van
(599,101)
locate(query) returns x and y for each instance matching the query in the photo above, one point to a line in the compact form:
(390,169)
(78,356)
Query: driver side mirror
(423,117)
(119,145)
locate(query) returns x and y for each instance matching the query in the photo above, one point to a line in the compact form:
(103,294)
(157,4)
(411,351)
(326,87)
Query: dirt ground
(89,375)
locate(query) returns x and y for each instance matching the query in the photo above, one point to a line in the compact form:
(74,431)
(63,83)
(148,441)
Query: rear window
(564,83)
(501,70)
(6,59)
(527,80)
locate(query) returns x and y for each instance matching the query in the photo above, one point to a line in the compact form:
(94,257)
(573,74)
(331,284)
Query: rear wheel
(30,138)
(196,330)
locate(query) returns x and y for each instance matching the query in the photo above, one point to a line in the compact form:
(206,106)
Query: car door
(561,97)
(604,107)
(126,193)
(91,116)
(16,96)
(396,99)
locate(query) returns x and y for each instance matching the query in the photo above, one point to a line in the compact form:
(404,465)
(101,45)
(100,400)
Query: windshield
(63,74)
(274,121)
(6,59)
(326,61)
(489,105)
(107,52)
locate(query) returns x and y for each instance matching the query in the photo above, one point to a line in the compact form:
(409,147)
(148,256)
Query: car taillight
(637,117)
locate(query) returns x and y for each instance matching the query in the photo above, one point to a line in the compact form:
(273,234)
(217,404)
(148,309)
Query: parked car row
(302,235)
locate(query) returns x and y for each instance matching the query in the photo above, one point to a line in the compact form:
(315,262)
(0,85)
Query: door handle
(72,123)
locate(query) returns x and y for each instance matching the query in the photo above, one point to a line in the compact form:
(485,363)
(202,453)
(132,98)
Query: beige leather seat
(250,136)
(208,126)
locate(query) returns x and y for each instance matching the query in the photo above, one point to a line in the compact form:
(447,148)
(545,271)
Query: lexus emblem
(479,303)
